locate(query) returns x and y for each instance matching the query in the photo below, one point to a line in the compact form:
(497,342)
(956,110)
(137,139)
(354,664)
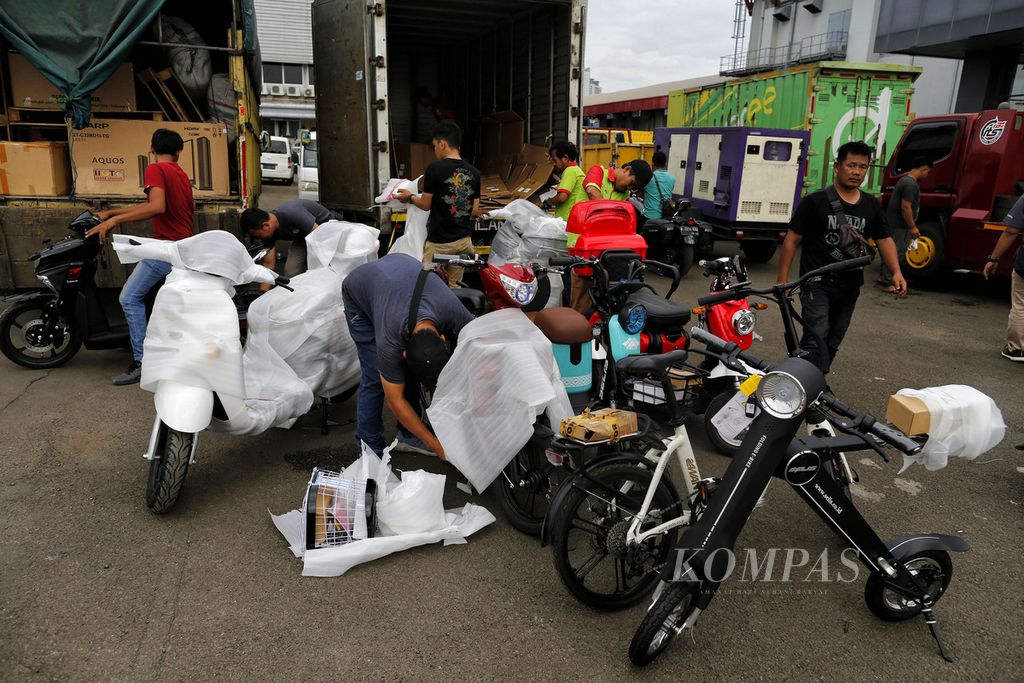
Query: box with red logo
(601,224)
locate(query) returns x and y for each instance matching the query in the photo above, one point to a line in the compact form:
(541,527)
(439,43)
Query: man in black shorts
(827,305)
(291,221)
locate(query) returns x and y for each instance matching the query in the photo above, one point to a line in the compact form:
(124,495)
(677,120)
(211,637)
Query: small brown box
(607,424)
(34,169)
(909,414)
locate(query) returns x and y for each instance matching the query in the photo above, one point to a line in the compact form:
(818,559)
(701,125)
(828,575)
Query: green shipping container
(835,101)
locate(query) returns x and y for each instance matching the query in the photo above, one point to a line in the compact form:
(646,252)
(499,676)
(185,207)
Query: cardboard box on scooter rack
(602,224)
(607,424)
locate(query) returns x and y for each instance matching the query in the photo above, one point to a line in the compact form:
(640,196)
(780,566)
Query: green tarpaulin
(76,44)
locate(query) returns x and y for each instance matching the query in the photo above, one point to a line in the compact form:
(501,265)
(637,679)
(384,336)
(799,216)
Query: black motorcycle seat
(662,314)
(473,299)
(655,366)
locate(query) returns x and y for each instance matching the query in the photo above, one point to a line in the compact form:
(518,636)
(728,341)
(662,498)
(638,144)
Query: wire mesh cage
(337,511)
(687,388)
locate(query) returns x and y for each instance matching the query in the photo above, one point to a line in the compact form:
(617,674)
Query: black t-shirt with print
(817,224)
(454,184)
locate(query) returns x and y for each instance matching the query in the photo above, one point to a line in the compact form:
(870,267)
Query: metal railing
(831,45)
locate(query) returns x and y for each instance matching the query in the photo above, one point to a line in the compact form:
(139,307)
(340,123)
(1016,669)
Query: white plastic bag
(190,64)
(416,505)
(502,376)
(415,234)
(963,423)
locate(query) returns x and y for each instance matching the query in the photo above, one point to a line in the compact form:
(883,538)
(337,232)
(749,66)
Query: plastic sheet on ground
(963,423)
(412,504)
(502,376)
(415,232)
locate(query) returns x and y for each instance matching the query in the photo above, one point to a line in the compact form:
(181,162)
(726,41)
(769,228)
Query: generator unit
(746,182)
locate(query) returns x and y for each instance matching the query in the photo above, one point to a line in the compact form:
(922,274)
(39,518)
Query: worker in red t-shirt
(169,203)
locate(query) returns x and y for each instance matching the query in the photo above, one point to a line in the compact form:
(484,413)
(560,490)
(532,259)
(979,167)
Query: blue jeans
(827,309)
(133,299)
(370,399)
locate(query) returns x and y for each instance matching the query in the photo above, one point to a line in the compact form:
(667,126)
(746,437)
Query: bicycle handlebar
(742,290)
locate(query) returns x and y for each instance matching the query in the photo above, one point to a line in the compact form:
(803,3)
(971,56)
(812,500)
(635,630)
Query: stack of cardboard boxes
(43,156)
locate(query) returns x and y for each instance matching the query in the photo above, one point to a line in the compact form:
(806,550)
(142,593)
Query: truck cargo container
(836,102)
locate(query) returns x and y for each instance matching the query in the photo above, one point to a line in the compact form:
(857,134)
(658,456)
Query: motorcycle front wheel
(21,337)
(168,468)
(525,487)
(662,621)
(591,554)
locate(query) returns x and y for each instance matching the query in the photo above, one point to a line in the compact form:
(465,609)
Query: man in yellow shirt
(564,156)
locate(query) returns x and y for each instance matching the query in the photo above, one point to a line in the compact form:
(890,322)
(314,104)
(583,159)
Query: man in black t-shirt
(827,305)
(291,221)
(451,193)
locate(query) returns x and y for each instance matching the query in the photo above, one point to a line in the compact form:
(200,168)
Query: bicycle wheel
(591,554)
(662,621)
(525,487)
(933,567)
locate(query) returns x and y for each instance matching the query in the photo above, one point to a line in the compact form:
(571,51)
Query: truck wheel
(759,251)
(925,261)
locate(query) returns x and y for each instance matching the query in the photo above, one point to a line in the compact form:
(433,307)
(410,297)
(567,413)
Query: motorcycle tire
(682,257)
(15,321)
(588,537)
(725,446)
(935,567)
(659,625)
(525,487)
(168,468)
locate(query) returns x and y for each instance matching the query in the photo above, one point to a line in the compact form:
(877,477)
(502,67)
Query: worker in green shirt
(616,183)
(564,156)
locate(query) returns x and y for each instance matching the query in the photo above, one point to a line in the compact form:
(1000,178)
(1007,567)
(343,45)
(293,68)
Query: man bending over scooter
(401,319)
(169,203)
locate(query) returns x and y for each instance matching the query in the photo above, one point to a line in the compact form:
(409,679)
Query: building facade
(287,102)
(787,32)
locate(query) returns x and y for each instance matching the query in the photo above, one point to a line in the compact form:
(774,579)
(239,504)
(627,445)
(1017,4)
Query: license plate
(269,167)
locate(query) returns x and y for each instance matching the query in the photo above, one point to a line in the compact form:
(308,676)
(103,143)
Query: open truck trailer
(56,163)
(507,71)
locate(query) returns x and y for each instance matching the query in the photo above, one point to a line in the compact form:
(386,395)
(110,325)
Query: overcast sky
(633,43)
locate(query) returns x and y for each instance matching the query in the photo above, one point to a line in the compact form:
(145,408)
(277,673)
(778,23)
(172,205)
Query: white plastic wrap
(502,376)
(214,252)
(415,233)
(528,235)
(451,526)
(963,423)
(305,330)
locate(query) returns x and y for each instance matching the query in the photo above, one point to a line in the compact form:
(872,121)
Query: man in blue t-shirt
(660,188)
(1014,220)
(395,357)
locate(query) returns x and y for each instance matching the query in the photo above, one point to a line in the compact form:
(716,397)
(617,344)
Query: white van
(276,162)
(309,172)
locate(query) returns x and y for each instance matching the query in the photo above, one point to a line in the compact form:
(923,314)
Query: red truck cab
(977,177)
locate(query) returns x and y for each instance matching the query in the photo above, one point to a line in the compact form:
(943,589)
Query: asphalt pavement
(94,586)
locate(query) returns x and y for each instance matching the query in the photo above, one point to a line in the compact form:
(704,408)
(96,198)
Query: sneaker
(1016,355)
(407,443)
(130,376)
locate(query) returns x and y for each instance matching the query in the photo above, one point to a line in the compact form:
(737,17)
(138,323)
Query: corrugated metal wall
(285,30)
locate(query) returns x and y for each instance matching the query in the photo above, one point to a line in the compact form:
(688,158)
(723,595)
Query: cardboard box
(530,174)
(31,90)
(34,169)
(909,414)
(607,424)
(110,157)
(501,133)
(413,158)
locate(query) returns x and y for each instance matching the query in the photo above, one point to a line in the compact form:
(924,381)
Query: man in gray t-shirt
(291,221)
(394,356)
(901,212)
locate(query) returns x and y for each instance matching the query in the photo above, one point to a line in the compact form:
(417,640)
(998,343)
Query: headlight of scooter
(633,319)
(781,395)
(521,292)
(743,321)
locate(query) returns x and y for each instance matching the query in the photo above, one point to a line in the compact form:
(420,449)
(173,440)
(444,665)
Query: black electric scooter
(907,576)
(44,328)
